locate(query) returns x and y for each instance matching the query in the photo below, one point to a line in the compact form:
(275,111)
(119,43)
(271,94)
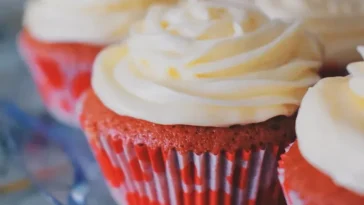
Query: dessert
(61,39)
(325,165)
(197,104)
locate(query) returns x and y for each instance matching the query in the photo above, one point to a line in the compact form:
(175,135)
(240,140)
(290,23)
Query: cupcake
(325,166)
(336,23)
(61,39)
(197,104)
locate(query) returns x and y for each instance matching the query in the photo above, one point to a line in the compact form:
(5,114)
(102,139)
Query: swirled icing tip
(356,71)
(357,68)
(361,50)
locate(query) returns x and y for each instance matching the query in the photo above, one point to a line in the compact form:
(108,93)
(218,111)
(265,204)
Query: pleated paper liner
(60,71)
(303,184)
(291,197)
(140,175)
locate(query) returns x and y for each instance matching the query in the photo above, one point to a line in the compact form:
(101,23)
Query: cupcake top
(98,22)
(336,22)
(330,127)
(208,63)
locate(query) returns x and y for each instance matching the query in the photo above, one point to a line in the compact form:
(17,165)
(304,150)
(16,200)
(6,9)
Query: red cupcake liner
(303,184)
(61,73)
(292,197)
(137,174)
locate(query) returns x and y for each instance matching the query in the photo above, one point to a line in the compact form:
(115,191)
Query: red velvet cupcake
(61,39)
(197,105)
(148,163)
(325,166)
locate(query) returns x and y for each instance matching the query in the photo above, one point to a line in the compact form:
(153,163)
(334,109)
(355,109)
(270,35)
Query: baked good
(61,38)
(325,165)
(197,104)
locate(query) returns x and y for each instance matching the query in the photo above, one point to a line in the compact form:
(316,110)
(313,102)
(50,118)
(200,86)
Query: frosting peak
(207,63)
(330,127)
(336,23)
(356,70)
(84,21)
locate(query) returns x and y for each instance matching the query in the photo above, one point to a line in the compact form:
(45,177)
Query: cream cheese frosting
(98,22)
(330,127)
(208,63)
(338,23)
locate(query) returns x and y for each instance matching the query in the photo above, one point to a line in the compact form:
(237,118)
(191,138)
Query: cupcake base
(141,175)
(303,184)
(147,163)
(60,71)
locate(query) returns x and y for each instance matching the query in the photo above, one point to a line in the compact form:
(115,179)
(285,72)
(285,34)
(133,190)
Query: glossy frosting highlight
(98,22)
(330,127)
(208,63)
(338,23)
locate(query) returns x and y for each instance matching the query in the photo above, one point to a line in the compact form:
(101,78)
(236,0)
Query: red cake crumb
(97,120)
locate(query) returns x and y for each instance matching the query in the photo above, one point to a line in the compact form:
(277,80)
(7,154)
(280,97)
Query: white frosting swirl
(336,22)
(84,21)
(208,63)
(330,127)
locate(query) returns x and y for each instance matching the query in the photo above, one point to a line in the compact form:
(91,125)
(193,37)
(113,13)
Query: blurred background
(34,169)
(15,82)
(15,86)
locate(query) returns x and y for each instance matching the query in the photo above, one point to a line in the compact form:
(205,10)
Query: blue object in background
(25,135)
(37,140)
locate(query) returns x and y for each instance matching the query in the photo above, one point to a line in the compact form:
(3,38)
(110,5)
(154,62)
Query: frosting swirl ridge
(208,63)
(336,22)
